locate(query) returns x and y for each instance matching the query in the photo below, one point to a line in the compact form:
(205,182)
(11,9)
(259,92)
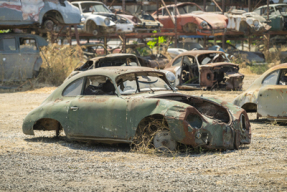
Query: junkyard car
(114,104)
(250,57)
(247,22)
(142,22)
(47,13)
(192,19)
(267,95)
(97,18)
(146,56)
(277,15)
(114,60)
(205,69)
(20,56)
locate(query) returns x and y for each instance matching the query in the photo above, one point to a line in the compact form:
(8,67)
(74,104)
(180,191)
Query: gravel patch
(46,163)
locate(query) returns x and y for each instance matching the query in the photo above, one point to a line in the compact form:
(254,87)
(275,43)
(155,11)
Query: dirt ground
(46,163)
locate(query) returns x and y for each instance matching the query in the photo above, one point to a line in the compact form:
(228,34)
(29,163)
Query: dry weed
(58,62)
(143,141)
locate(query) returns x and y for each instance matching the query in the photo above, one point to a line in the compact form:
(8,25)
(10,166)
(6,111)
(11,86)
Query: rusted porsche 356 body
(205,69)
(191,19)
(267,95)
(112,104)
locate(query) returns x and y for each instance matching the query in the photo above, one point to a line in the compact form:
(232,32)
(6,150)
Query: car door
(272,96)
(29,53)
(98,112)
(9,61)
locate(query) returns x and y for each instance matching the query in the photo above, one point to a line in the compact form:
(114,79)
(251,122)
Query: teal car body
(115,116)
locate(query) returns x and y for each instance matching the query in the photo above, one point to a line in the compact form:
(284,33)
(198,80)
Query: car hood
(215,20)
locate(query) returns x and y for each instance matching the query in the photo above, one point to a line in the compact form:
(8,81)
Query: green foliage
(160,40)
(5,31)
(259,69)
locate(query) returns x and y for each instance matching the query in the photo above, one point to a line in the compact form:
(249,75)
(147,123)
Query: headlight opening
(242,122)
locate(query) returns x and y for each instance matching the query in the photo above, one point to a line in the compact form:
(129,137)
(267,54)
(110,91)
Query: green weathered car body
(116,118)
(277,16)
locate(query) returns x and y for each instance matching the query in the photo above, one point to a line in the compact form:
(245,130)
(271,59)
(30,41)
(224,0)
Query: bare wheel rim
(163,141)
(49,25)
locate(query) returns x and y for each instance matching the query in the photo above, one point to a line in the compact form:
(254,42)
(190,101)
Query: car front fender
(99,20)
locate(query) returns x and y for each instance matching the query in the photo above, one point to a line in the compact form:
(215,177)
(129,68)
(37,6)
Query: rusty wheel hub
(164,142)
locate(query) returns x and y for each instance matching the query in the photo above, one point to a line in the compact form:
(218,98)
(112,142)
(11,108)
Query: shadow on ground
(183,151)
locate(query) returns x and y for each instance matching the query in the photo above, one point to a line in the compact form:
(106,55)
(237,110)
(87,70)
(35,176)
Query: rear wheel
(49,25)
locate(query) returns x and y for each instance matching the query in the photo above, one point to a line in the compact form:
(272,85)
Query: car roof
(114,55)
(198,52)
(40,40)
(281,66)
(179,4)
(86,2)
(113,72)
(272,5)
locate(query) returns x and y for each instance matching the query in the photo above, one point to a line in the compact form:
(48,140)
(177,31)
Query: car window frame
(70,84)
(85,81)
(280,73)
(175,60)
(36,44)
(10,51)
(269,75)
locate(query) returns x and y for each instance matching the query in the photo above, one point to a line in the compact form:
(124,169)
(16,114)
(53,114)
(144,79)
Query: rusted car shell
(247,22)
(234,79)
(128,111)
(19,62)
(265,100)
(214,24)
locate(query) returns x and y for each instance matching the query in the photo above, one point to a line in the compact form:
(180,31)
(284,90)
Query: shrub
(58,62)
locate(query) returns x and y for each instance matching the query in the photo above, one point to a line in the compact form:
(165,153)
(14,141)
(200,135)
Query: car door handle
(75,108)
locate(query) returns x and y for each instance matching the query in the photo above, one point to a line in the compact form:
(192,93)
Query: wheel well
(142,126)
(54,16)
(90,26)
(250,107)
(47,124)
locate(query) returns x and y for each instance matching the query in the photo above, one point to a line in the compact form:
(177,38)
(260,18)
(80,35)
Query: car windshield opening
(118,61)
(211,58)
(94,7)
(133,83)
(282,9)
(187,9)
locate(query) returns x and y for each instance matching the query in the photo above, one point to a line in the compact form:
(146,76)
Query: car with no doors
(205,69)
(266,96)
(115,104)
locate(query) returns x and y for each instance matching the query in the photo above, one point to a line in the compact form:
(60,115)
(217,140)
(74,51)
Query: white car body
(106,21)
(238,20)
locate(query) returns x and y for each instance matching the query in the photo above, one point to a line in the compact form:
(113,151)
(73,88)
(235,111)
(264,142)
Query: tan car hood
(215,20)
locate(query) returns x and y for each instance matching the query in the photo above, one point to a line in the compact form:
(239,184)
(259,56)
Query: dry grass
(58,62)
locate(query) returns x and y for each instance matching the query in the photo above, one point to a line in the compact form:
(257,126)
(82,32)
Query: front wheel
(163,141)
(189,28)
